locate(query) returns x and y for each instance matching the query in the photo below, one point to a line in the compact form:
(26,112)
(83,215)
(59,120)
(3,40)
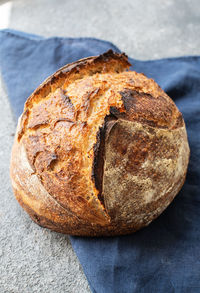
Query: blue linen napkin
(165,256)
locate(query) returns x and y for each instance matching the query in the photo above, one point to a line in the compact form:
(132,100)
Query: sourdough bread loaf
(99,149)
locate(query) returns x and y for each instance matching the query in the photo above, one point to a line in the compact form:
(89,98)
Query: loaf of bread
(99,149)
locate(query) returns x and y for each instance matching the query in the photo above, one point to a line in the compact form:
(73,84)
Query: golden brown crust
(99,150)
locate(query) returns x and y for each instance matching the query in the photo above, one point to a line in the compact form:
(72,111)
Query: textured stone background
(33,259)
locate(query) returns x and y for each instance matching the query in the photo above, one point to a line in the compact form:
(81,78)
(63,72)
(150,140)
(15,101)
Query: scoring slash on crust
(99,150)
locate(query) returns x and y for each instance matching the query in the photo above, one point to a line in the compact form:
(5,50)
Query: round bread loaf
(99,149)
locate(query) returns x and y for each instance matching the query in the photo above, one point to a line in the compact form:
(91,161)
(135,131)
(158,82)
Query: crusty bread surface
(99,150)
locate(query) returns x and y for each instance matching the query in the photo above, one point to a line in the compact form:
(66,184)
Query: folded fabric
(165,256)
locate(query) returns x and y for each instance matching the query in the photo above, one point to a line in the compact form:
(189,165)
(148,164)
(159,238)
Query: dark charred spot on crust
(129,102)
(36,218)
(114,111)
(130,97)
(44,90)
(59,75)
(145,108)
(105,57)
(53,79)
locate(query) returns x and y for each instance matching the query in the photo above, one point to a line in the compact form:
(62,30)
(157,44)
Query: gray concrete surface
(33,259)
(143,29)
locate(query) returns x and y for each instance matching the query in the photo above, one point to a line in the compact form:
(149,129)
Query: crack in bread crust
(68,129)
